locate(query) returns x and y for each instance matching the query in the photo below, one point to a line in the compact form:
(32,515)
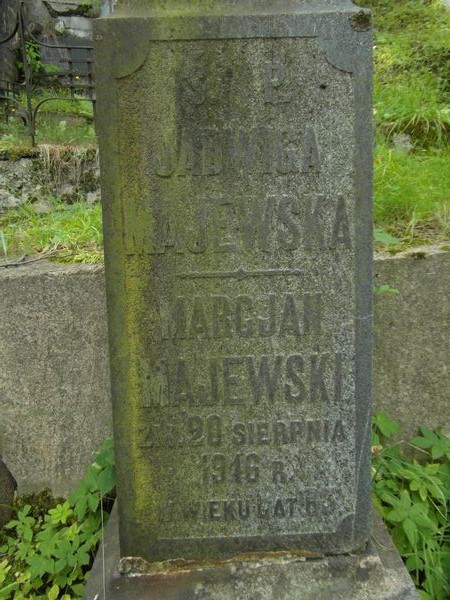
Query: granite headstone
(235,142)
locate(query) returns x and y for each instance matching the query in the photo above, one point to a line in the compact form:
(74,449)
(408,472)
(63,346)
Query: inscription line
(240,274)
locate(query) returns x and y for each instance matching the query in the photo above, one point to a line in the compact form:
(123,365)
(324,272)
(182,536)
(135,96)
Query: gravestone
(235,143)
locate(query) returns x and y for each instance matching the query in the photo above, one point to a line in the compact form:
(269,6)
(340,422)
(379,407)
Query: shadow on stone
(7,490)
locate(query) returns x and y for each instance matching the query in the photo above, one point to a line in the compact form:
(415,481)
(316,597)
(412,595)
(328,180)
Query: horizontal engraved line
(239,274)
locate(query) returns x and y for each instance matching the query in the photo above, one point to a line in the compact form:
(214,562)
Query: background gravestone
(236,165)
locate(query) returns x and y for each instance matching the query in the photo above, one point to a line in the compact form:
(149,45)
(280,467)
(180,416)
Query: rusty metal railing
(77,76)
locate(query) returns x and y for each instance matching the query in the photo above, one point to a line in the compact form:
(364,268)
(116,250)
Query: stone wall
(411,335)
(72,18)
(70,173)
(54,381)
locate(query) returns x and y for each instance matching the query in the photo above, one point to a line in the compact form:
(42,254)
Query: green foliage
(385,289)
(40,502)
(49,557)
(73,233)
(62,119)
(60,100)
(37,67)
(33,59)
(412,98)
(91,7)
(413,499)
(411,193)
(385,238)
(412,89)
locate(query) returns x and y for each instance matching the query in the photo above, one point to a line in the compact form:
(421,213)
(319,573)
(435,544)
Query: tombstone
(235,141)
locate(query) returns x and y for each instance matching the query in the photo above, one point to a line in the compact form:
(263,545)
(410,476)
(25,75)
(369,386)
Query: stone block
(411,334)
(377,573)
(54,380)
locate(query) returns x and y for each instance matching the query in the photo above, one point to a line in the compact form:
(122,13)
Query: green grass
(71,233)
(64,103)
(412,193)
(412,97)
(48,131)
(62,120)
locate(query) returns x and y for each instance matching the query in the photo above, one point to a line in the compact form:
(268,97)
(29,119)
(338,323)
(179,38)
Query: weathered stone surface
(374,574)
(8,200)
(412,331)
(15,182)
(236,172)
(66,8)
(54,401)
(74,26)
(55,171)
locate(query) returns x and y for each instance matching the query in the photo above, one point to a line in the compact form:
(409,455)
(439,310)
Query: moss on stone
(18,152)
(361,21)
(40,502)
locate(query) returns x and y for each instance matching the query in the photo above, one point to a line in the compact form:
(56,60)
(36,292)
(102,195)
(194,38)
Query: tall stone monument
(235,141)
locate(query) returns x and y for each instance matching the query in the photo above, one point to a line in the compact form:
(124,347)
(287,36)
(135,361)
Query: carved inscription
(242,239)
(246,380)
(286,222)
(214,431)
(193,85)
(306,504)
(276,84)
(244,316)
(212,152)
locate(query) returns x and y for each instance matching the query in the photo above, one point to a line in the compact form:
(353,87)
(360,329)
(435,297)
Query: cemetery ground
(47,549)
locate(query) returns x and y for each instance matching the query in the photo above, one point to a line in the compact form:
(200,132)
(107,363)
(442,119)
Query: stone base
(377,574)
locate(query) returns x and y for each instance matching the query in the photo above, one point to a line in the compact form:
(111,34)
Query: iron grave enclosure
(236,174)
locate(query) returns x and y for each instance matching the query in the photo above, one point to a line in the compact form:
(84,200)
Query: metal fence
(73,72)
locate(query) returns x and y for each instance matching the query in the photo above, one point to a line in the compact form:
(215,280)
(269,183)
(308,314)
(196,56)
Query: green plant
(70,233)
(411,110)
(385,238)
(62,119)
(385,289)
(49,557)
(413,498)
(33,57)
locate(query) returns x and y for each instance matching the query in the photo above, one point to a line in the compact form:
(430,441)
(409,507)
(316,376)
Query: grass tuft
(70,233)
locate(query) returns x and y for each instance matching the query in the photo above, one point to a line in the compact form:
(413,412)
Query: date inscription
(213,432)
